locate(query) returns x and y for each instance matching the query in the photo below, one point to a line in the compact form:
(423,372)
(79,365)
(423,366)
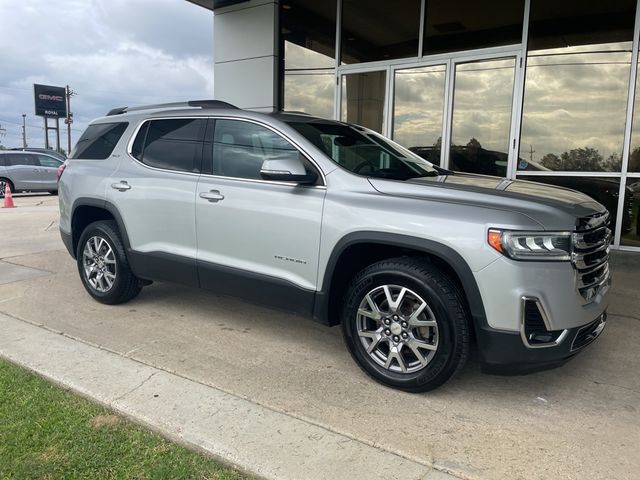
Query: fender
(443,252)
(105,205)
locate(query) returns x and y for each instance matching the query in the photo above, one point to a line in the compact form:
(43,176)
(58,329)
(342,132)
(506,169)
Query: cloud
(111,52)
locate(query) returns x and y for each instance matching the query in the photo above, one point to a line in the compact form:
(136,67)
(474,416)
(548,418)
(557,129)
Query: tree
(551,161)
(474,143)
(585,159)
(634,162)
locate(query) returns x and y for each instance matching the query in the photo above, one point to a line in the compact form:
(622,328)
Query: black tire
(126,285)
(3,182)
(446,303)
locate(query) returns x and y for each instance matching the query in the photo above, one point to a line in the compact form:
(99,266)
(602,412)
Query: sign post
(50,102)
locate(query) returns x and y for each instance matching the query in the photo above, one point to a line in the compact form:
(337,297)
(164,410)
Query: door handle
(212,195)
(121,186)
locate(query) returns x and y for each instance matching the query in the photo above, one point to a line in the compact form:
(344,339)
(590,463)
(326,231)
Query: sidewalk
(253,438)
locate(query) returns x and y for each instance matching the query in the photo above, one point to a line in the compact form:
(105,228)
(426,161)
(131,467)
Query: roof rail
(190,103)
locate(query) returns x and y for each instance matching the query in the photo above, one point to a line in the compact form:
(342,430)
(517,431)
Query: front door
(256,238)
(363,99)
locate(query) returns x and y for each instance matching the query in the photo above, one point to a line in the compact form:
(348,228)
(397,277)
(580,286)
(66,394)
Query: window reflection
(602,189)
(634,150)
(631,235)
(307,38)
(482,116)
(363,99)
(418,110)
(576,85)
(453,25)
(379,30)
(574,108)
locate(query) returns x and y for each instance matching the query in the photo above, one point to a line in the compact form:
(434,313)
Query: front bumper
(504,352)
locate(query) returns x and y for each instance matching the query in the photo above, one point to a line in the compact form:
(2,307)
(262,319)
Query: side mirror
(287,169)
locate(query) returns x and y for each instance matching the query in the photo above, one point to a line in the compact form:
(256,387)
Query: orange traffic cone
(8,198)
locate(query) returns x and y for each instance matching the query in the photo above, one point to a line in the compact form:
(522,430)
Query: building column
(246,55)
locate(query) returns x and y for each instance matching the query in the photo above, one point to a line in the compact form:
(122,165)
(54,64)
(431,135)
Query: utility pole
(24,131)
(531,152)
(69,120)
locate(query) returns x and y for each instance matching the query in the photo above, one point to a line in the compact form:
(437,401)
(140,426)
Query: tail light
(60,170)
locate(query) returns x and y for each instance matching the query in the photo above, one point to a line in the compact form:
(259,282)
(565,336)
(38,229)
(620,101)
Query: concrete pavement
(578,421)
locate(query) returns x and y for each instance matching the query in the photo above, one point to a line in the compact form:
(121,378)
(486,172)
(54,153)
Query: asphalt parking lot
(579,421)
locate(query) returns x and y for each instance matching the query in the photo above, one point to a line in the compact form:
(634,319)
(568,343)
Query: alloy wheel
(99,264)
(397,329)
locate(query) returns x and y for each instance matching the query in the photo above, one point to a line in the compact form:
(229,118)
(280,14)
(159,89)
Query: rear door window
(21,159)
(171,144)
(98,141)
(48,161)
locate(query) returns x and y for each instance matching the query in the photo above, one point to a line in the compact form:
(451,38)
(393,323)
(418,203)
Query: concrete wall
(245,54)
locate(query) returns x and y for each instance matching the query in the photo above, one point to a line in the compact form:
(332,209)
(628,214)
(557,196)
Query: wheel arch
(89,210)
(387,245)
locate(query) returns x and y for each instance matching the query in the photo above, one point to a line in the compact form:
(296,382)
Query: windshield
(364,152)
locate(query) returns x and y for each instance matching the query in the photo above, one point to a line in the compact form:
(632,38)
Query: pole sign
(50,101)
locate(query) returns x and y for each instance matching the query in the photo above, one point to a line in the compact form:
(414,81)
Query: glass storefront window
(481,123)
(308,33)
(418,110)
(375,30)
(634,148)
(576,85)
(363,99)
(454,25)
(631,231)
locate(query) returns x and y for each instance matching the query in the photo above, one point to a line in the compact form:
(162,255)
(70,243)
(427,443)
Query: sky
(111,52)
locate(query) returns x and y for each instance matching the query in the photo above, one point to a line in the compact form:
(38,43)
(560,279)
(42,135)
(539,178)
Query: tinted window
(307,43)
(452,25)
(379,30)
(18,159)
(174,144)
(48,161)
(240,148)
(98,141)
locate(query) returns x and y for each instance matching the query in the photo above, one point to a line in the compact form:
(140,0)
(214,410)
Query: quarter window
(240,148)
(174,144)
(98,141)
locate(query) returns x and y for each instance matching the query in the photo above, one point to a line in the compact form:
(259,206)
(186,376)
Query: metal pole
(46,133)
(24,131)
(57,135)
(68,120)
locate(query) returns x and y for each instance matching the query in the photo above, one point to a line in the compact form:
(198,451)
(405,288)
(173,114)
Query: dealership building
(540,90)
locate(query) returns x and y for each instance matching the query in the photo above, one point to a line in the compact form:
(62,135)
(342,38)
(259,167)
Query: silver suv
(336,222)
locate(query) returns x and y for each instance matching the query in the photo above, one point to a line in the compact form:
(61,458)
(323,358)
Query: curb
(235,431)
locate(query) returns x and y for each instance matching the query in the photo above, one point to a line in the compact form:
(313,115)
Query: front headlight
(540,246)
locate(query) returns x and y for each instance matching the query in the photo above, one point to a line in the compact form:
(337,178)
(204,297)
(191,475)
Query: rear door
(23,169)
(154,190)
(48,172)
(257,239)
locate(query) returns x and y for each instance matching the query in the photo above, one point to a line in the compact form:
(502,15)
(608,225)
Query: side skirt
(256,288)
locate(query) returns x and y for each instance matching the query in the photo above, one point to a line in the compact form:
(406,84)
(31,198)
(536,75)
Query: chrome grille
(591,242)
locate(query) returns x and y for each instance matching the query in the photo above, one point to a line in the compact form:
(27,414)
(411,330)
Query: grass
(49,433)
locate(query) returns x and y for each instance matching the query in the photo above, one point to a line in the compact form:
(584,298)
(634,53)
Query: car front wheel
(404,323)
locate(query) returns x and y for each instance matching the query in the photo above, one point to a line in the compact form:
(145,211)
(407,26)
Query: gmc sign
(50,101)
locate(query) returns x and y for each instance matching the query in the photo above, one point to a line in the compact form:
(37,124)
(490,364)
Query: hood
(551,206)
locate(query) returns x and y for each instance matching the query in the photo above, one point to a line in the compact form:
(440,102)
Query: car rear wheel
(103,265)
(405,324)
(3,185)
